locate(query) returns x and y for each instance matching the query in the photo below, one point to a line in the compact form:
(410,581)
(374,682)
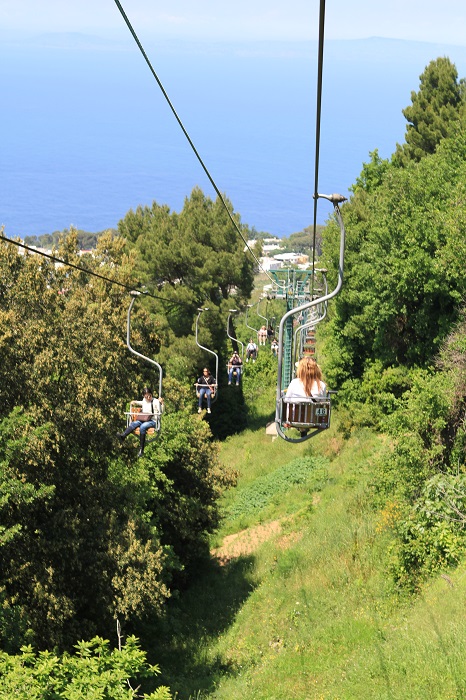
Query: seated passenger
(205,386)
(308,380)
(274,347)
(149,416)
(262,335)
(234,365)
(251,351)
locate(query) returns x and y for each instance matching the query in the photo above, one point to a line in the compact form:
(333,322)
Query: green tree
(404,276)
(434,113)
(80,524)
(195,258)
(302,241)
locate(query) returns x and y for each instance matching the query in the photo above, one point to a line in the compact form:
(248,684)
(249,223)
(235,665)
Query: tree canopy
(434,113)
(85,534)
(404,274)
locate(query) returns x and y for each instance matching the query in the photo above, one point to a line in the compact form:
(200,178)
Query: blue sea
(87,133)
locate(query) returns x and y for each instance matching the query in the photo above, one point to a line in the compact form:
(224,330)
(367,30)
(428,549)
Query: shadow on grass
(180,643)
(259,420)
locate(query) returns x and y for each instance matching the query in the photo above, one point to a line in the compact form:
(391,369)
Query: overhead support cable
(204,167)
(91,272)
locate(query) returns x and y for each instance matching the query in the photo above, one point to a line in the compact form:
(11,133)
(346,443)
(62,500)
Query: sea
(87,133)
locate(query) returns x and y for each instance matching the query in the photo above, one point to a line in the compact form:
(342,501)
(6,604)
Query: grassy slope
(302,607)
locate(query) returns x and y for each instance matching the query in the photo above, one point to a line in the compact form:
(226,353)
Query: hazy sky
(421,20)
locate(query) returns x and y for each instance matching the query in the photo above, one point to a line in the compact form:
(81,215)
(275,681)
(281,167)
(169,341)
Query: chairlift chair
(234,340)
(131,415)
(214,387)
(310,415)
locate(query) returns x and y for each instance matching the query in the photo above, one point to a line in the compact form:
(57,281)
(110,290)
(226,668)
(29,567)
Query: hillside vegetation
(223,563)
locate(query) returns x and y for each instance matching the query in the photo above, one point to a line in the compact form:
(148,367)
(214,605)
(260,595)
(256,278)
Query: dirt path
(247,541)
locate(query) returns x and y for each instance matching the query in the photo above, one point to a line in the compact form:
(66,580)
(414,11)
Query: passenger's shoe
(121,436)
(208,410)
(199,410)
(229,383)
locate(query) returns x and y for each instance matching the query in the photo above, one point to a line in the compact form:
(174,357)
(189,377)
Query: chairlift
(132,415)
(214,387)
(256,330)
(309,415)
(234,340)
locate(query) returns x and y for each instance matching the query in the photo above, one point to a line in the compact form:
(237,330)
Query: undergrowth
(309,471)
(309,613)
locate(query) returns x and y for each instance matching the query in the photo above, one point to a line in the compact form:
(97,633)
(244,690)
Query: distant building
(288,258)
(268,244)
(270,263)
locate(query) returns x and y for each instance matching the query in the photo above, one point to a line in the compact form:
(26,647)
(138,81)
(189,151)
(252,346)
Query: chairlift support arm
(234,311)
(134,295)
(211,352)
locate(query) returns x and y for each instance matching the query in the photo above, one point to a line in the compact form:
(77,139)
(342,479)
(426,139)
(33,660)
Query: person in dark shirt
(235,364)
(205,386)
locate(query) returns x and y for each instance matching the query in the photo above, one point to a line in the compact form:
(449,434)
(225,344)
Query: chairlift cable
(92,273)
(204,167)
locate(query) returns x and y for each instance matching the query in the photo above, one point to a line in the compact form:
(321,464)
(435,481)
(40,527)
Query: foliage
(302,241)
(420,429)
(85,239)
(434,113)
(426,469)
(94,671)
(403,276)
(84,533)
(186,481)
(196,257)
(258,379)
(303,470)
(432,536)
(366,402)
(372,173)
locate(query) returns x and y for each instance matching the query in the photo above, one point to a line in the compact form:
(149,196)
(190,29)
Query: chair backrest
(313,412)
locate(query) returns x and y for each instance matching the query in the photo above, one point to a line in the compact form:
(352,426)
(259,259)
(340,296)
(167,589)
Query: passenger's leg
(130,429)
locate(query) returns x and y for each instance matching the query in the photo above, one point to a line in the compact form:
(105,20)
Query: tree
(80,525)
(434,113)
(302,241)
(404,275)
(195,257)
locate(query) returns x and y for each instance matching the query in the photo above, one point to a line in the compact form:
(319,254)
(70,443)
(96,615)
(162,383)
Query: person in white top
(308,381)
(149,416)
(262,335)
(251,351)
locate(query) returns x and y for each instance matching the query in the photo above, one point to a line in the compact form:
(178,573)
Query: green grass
(309,613)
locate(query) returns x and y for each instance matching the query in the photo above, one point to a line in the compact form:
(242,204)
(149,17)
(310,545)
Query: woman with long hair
(308,380)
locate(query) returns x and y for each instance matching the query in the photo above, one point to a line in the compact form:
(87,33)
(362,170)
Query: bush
(95,671)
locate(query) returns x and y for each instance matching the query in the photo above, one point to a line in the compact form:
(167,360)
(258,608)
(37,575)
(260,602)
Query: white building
(268,263)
